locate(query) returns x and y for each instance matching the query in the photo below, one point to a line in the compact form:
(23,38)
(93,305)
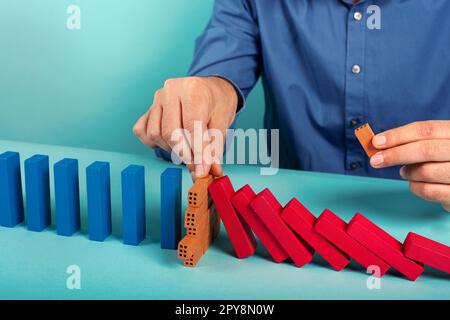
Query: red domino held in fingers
(241,237)
(241,201)
(302,221)
(427,251)
(383,245)
(268,209)
(333,228)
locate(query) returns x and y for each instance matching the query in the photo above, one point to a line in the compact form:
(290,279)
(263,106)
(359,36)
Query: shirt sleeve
(229,47)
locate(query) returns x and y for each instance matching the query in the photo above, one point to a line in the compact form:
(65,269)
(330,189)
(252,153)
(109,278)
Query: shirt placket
(355,162)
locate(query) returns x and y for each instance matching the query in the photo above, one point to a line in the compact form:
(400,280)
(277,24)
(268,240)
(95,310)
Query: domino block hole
(361,127)
(192,198)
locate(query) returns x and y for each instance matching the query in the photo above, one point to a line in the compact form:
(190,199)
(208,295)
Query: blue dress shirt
(328,66)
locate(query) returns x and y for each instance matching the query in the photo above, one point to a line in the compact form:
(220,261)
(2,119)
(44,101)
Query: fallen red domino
(427,251)
(302,221)
(240,234)
(383,245)
(268,209)
(241,201)
(333,228)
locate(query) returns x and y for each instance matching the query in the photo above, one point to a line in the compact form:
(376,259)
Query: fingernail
(377,160)
(199,171)
(380,140)
(402,172)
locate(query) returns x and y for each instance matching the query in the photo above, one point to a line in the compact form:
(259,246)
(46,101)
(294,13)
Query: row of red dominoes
(294,232)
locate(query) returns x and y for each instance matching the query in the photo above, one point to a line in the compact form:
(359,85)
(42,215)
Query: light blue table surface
(33,265)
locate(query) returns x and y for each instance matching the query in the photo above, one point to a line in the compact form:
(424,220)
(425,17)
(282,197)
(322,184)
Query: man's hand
(179,105)
(423,148)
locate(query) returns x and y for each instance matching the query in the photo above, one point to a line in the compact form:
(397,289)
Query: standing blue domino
(99,200)
(170,208)
(133,204)
(67,197)
(37,188)
(11,197)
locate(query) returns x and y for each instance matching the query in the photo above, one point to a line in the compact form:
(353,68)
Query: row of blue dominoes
(67,198)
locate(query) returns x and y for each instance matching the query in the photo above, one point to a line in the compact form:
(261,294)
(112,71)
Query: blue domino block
(133,204)
(67,197)
(170,208)
(37,188)
(99,200)
(11,197)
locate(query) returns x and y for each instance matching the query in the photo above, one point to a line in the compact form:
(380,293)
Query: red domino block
(241,201)
(302,221)
(427,251)
(333,228)
(383,245)
(241,237)
(268,210)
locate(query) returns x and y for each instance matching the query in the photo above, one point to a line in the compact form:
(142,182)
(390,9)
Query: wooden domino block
(333,228)
(198,193)
(189,251)
(203,239)
(11,196)
(67,197)
(197,241)
(365,135)
(189,246)
(133,204)
(192,215)
(206,236)
(241,201)
(383,245)
(268,209)
(200,226)
(99,200)
(241,237)
(37,186)
(171,188)
(193,258)
(215,222)
(213,217)
(427,251)
(183,246)
(302,221)
(199,222)
(192,248)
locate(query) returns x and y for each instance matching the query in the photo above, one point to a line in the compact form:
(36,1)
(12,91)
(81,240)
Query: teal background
(86,88)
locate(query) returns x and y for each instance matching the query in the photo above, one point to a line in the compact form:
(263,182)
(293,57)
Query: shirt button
(356,69)
(354,122)
(355,165)
(357,16)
